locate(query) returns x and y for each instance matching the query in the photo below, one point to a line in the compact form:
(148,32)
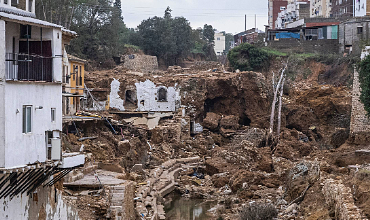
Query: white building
(220,45)
(30,112)
(295,11)
(360,7)
(320,8)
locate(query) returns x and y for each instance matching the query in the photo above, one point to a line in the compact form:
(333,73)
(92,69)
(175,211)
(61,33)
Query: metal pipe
(42,180)
(31,181)
(18,182)
(6,180)
(24,182)
(53,181)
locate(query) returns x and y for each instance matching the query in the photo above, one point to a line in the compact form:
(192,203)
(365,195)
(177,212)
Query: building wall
(22,149)
(361,7)
(147,98)
(274,10)
(306,46)
(360,122)
(74,102)
(342,8)
(2,94)
(320,8)
(49,205)
(219,43)
(349,37)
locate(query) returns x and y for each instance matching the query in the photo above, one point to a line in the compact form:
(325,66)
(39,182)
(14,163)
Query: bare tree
(280,104)
(276,90)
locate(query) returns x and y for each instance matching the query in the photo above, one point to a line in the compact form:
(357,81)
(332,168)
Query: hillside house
(30,112)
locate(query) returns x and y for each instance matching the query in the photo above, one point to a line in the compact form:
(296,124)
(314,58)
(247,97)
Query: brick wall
(305,46)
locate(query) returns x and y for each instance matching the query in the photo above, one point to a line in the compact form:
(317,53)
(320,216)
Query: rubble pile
(216,145)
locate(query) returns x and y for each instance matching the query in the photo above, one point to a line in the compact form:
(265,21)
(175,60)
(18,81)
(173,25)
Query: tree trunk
(280,104)
(272,116)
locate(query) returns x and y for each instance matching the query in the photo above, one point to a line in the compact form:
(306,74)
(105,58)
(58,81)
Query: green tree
(168,38)
(228,39)
(364,77)
(209,34)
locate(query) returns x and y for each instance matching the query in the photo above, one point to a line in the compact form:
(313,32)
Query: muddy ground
(241,162)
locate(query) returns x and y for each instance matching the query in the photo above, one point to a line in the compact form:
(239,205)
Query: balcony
(25,67)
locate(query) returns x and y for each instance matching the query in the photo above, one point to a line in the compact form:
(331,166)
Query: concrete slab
(90,181)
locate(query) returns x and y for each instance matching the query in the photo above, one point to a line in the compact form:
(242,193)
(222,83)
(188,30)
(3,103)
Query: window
(26,31)
(218,38)
(27,119)
(73,73)
(162,95)
(53,115)
(359,30)
(80,75)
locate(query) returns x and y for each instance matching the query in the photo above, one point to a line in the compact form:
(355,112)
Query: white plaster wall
(115,100)
(56,45)
(2,94)
(22,149)
(24,208)
(147,92)
(360,8)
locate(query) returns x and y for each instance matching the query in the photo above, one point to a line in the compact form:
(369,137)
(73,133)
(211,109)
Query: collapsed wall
(360,122)
(138,62)
(339,197)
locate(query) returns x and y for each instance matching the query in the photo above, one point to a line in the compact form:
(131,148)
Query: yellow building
(74,84)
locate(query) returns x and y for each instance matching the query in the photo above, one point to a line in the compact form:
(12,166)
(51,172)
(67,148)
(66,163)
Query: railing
(24,67)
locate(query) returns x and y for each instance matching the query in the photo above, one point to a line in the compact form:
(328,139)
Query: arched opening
(130,100)
(162,95)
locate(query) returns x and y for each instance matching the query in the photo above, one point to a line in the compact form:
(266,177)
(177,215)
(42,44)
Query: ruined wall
(339,197)
(306,46)
(360,123)
(138,62)
(115,101)
(147,98)
(46,204)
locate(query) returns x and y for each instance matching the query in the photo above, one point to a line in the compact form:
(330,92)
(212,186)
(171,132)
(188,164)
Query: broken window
(162,95)
(27,114)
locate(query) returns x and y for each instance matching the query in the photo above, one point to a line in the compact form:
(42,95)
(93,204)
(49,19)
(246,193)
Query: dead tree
(276,90)
(280,105)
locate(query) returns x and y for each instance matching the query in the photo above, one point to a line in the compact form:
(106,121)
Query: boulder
(230,122)
(211,121)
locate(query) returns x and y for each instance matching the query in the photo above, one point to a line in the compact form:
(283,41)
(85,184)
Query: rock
(230,122)
(137,168)
(339,137)
(291,208)
(211,121)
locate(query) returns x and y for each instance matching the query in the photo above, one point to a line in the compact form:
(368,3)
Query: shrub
(258,211)
(247,57)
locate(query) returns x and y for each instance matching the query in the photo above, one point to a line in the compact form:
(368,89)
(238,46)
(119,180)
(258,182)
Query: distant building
(362,8)
(320,8)
(342,8)
(295,11)
(250,36)
(220,45)
(274,7)
(73,89)
(352,35)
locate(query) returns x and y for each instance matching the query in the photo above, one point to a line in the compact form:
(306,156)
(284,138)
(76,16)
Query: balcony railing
(24,67)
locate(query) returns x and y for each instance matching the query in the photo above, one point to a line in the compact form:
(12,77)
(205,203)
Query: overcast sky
(226,15)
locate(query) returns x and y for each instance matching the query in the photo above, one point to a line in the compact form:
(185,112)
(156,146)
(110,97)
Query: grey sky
(227,15)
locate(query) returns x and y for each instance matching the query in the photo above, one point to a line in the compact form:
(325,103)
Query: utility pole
(255,22)
(245,23)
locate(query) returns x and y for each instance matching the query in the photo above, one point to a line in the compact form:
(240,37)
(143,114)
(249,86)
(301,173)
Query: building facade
(342,8)
(320,8)
(274,8)
(362,8)
(295,11)
(31,159)
(220,43)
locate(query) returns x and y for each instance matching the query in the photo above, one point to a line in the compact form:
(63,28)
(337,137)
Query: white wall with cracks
(48,205)
(147,97)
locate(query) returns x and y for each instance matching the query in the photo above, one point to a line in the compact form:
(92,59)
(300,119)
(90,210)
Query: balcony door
(37,64)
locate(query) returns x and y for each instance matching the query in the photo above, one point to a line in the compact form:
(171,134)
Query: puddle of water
(181,208)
